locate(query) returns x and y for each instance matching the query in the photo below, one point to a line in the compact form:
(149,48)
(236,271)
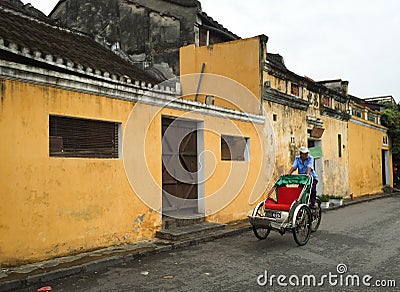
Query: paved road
(364,237)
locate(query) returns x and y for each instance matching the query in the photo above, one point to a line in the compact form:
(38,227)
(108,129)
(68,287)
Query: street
(358,244)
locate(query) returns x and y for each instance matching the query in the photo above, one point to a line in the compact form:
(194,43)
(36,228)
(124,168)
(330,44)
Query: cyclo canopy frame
(294,179)
(287,221)
(289,212)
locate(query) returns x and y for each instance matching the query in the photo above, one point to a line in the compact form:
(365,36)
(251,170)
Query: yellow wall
(365,158)
(331,169)
(233,75)
(229,185)
(232,184)
(335,169)
(236,61)
(290,124)
(57,206)
(53,206)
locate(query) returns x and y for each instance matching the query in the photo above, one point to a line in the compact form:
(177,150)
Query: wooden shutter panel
(76,137)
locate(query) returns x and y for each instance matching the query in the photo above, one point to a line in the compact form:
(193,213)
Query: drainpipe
(199,84)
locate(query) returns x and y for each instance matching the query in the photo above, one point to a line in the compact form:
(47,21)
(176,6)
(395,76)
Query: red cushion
(280,207)
(286,196)
(270,201)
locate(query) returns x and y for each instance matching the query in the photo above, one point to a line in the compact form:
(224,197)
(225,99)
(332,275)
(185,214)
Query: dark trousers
(314,191)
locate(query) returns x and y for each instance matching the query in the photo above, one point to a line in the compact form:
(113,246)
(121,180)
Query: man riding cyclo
(304,163)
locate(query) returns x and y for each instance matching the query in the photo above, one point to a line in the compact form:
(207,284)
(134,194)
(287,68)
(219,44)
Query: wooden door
(179,165)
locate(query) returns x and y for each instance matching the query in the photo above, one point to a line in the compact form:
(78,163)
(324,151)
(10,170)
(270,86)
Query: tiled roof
(277,60)
(187,3)
(38,38)
(25,8)
(208,20)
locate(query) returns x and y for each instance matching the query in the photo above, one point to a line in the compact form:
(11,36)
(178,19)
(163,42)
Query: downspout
(199,84)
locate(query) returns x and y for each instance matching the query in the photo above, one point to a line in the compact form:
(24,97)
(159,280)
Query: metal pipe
(199,84)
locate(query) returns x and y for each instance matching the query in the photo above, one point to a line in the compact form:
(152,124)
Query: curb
(58,273)
(102,264)
(361,200)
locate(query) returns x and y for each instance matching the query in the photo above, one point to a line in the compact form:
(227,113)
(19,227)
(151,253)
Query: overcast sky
(353,40)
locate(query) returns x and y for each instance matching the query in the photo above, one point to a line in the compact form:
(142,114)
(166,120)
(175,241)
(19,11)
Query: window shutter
(76,137)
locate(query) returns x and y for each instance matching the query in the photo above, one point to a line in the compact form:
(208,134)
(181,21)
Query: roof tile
(32,34)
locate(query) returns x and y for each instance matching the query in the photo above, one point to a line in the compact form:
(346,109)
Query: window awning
(315,152)
(317,132)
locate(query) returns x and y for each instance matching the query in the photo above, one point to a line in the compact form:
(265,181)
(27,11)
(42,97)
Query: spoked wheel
(302,228)
(316,216)
(260,232)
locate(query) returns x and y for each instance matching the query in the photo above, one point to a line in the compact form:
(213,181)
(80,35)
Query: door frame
(385,168)
(199,127)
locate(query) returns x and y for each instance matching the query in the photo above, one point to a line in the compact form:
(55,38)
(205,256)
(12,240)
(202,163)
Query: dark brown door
(179,167)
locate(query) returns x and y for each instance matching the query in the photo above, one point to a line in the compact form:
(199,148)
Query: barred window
(295,89)
(357,113)
(326,101)
(85,138)
(235,148)
(385,140)
(371,117)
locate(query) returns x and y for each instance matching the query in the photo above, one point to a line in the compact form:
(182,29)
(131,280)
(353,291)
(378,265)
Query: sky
(353,40)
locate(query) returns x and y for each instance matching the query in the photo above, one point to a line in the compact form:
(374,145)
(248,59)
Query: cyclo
(289,210)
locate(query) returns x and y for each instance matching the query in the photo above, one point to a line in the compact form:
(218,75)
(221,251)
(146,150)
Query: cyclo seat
(288,189)
(286,196)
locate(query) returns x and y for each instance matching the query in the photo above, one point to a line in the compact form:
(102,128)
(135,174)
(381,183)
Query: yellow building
(223,76)
(335,160)
(92,158)
(298,111)
(370,158)
(305,112)
(94,154)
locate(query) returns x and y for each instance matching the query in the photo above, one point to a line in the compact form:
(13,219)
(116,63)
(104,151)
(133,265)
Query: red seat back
(286,196)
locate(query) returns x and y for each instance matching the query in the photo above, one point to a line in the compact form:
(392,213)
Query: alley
(357,240)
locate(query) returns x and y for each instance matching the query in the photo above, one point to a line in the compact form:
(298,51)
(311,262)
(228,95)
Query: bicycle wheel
(316,216)
(260,232)
(302,227)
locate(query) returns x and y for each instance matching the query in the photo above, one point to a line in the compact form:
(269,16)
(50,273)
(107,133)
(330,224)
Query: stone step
(170,222)
(189,231)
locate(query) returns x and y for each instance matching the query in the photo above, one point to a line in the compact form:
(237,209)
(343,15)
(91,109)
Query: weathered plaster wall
(148,31)
(239,61)
(230,187)
(96,17)
(290,133)
(54,206)
(365,157)
(277,83)
(232,74)
(335,169)
(134,21)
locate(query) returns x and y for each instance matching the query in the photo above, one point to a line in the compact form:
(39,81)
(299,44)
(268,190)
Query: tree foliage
(391,120)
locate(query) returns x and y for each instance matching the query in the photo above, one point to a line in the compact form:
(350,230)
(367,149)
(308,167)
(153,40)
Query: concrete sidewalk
(40,273)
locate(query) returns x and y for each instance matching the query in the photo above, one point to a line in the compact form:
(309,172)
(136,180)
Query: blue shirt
(302,167)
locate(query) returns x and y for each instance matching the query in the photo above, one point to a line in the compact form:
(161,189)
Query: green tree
(391,120)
